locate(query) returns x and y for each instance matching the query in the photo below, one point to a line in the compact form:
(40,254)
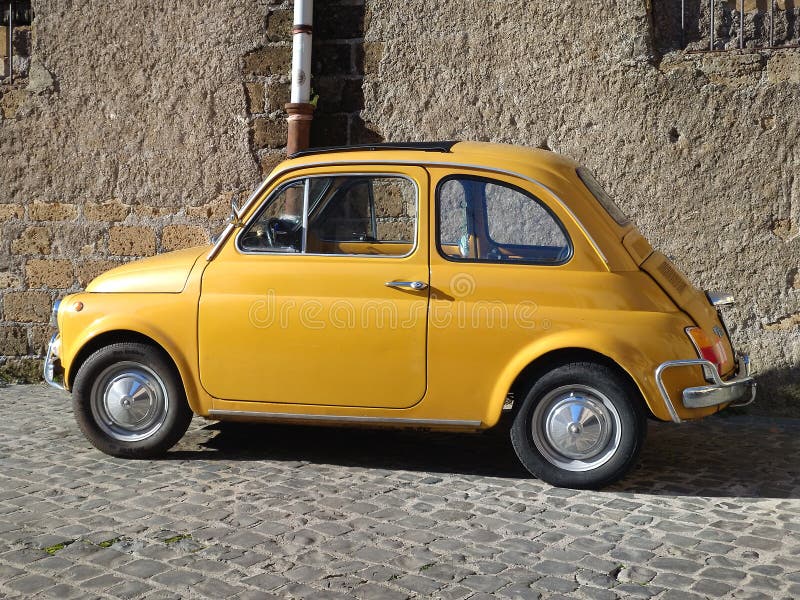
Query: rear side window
(491,221)
(602,196)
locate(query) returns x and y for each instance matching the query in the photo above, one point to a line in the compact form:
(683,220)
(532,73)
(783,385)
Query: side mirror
(234,218)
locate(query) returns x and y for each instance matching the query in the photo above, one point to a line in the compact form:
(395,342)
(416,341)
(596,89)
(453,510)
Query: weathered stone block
(145,210)
(52,211)
(269,133)
(27,307)
(9,280)
(34,240)
(372,55)
(353,95)
(333,58)
(216,210)
(86,271)
(255,97)
(337,21)
(13,340)
(269,160)
(784,66)
(49,273)
(329,130)
(131,241)
(279,25)
(278,95)
(330,94)
(11,101)
(3,42)
(175,237)
(11,211)
(112,211)
(21,370)
(40,337)
(270,60)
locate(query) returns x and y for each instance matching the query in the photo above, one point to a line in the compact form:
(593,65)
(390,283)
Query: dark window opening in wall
(718,25)
(15,39)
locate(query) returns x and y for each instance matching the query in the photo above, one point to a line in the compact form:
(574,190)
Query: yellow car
(424,285)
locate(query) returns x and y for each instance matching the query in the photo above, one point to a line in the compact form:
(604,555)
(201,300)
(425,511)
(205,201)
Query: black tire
(581,425)
(129,401)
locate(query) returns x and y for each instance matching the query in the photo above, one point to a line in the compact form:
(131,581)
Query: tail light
(711,350)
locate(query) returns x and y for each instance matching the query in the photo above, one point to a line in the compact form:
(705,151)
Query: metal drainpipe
(299,109)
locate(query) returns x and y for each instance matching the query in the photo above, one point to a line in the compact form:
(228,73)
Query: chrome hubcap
(129,401)
(576,428)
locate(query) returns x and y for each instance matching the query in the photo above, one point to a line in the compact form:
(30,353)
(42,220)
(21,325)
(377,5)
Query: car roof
(517,159)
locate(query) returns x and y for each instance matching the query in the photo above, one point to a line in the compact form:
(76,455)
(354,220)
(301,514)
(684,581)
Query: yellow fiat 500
(425,285)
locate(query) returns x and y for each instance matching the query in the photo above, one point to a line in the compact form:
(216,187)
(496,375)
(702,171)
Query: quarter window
(602,196)
(279,226)
(486,220)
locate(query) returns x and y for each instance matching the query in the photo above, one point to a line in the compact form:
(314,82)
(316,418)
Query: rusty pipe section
(299,109)
(11,41)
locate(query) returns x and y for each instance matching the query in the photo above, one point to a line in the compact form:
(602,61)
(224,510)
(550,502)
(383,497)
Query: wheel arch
(626,360)
(112,336)
(560,356)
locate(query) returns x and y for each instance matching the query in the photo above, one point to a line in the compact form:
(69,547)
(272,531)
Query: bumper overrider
(740,390)
(53,372)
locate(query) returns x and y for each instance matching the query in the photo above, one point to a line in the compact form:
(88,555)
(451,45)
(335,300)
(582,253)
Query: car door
(503,274)
(321,297)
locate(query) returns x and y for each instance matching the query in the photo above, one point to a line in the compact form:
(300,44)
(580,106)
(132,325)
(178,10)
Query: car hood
(165,273)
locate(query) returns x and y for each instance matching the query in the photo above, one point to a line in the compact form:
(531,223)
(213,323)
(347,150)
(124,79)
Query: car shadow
(721,456)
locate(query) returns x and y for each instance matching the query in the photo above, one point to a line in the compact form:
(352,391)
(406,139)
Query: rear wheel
(129,401)
(581,425)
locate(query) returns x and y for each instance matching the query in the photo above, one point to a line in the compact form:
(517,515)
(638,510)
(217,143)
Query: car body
(426,285)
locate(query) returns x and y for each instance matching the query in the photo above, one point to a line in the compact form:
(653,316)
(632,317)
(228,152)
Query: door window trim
(306,192)
(524,192)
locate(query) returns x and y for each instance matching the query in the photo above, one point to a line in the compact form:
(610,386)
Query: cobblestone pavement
(712,510)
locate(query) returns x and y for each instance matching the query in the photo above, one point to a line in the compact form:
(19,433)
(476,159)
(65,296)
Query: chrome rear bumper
(53,372)
(737,391)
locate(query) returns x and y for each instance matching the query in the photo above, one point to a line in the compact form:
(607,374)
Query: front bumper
(53,371)
(737,391)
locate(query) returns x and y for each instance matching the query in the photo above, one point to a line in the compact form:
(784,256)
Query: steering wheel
(270,231)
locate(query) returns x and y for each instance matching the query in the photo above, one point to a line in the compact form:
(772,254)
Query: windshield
(602,196)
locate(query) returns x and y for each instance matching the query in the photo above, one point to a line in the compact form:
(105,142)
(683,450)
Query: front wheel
(129,401)
(581,425)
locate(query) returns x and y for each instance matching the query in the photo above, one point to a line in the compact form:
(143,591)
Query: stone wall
(126,137)
(133,141)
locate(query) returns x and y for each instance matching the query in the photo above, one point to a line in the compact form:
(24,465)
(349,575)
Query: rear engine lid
(694,302)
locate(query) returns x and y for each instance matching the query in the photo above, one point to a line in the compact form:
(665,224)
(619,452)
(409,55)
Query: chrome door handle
(407,285)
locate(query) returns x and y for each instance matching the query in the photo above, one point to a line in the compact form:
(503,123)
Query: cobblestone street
(712,510)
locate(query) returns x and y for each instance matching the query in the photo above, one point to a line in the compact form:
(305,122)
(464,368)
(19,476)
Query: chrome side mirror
(234,218)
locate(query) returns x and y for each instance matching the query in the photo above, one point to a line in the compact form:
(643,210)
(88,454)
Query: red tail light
(708,349)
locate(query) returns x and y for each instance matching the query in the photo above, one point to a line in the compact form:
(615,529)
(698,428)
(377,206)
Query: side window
(515,219)
(486,220)
(453,229)
(364,214)
(346,214)
(279,225)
